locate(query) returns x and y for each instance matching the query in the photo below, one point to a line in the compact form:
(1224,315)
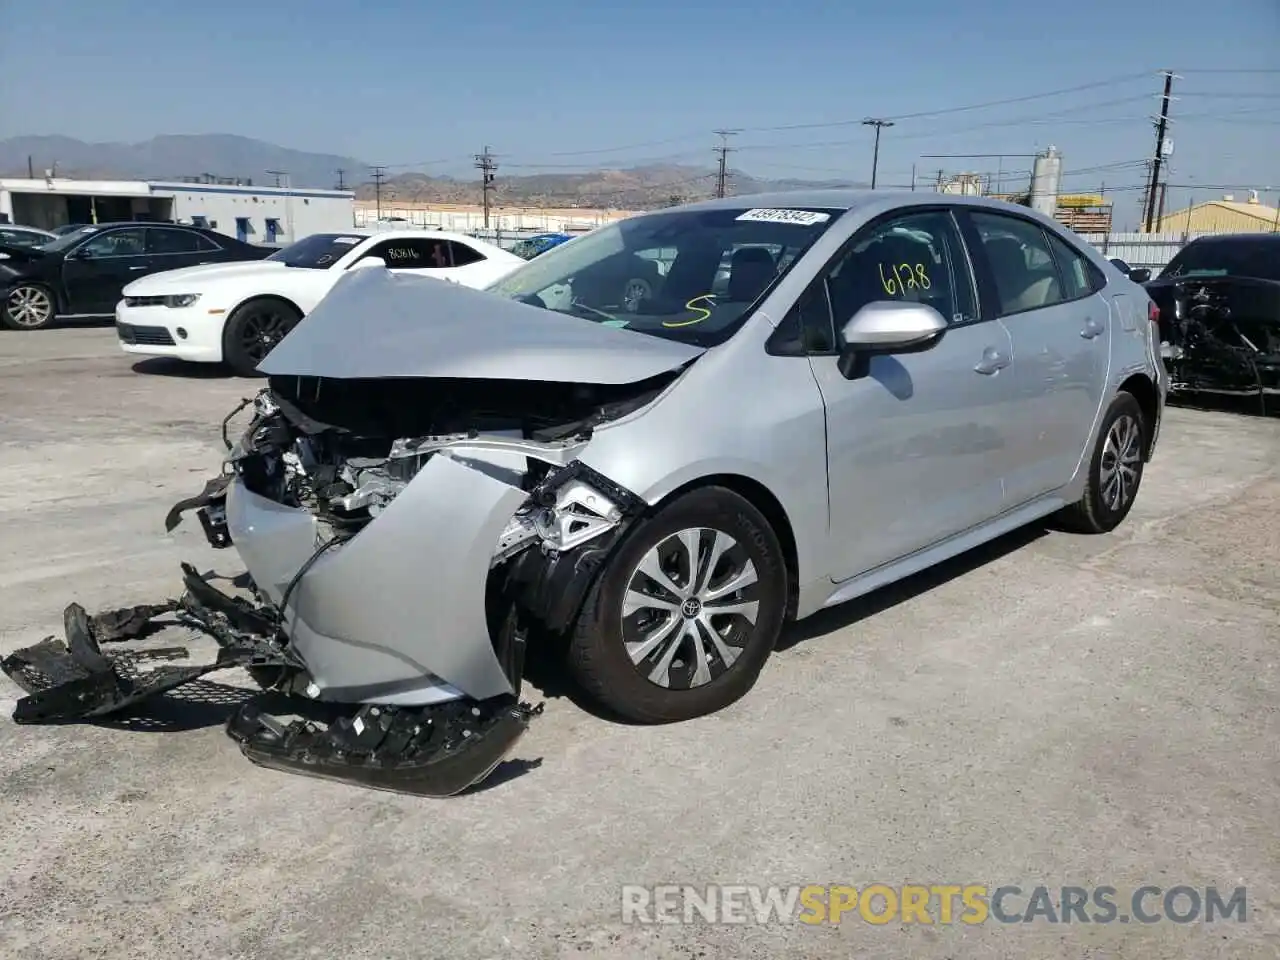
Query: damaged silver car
(625,446)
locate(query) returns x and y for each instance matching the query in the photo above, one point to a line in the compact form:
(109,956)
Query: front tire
(253,330)
(29,306)
(680,622)
(1115,469)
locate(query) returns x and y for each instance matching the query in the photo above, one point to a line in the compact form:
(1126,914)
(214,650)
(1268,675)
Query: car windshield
(1226,258)
(68,240)
(318,251)
(687,275)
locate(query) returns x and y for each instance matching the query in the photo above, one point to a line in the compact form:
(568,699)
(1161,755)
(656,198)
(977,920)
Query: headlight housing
(181,299)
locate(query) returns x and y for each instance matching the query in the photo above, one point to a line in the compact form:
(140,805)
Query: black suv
(82,272)
(1219,301)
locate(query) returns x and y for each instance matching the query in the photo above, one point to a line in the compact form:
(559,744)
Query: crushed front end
(1220,335)
(401,539)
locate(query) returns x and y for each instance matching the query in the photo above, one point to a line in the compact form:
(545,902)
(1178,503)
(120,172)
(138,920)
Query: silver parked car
(883,381)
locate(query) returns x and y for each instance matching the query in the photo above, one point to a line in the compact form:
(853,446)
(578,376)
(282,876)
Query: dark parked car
(81,273)
(1219,302)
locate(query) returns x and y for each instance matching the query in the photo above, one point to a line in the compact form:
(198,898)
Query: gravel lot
(1060,710)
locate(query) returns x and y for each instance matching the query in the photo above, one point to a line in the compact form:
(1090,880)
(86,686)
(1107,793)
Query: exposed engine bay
(1221,335)
(331,496)
(346,449)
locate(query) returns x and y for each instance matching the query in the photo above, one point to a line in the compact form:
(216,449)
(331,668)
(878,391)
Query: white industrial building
(255,214)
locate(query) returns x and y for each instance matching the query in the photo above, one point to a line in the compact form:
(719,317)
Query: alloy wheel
(261,331)
(690,606)
(1120,463)
(29,307)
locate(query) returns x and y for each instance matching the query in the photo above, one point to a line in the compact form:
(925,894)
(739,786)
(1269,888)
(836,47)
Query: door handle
(143,267)
(992,361)
(1092,328)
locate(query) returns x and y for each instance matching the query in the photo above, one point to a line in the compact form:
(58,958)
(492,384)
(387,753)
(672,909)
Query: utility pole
(487,166)
(277,174)
(879,124)
(379,174)
(724,150)
(1161,127)
(341,183)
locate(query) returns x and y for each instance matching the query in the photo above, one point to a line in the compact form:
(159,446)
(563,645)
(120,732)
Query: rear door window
(164,241)
(1079,277)
(462,254)
(1017,252)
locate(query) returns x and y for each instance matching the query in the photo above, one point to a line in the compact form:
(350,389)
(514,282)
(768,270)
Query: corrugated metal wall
(1222,217)
(1151,250)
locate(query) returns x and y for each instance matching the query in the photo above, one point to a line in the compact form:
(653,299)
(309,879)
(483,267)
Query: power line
(1235,70)
(1232,95)
(962,109)
(1124,78)
(1050,118)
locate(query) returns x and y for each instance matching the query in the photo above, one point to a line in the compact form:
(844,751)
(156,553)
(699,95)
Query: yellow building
(1227,215)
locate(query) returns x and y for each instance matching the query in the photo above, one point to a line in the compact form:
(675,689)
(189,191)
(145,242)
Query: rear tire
(653,654)
(29,306)
(1115,470)
(253,330)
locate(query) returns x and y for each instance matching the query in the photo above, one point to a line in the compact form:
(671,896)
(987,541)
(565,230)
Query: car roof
(401,233)
(143,223)
(849,198)
(1238,237)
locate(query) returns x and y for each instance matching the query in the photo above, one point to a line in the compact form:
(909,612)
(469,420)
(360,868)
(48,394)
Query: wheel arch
(276,297)
(1142,389)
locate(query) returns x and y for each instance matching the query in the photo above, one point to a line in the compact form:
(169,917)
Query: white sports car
(235,313)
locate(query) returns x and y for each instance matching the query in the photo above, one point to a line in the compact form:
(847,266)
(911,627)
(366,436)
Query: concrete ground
(1058,710)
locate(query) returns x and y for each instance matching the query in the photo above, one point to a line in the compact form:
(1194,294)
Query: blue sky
(558,85)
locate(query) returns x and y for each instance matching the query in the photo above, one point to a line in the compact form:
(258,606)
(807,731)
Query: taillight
(1153,312)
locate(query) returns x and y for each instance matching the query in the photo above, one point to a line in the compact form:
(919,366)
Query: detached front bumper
(396,614)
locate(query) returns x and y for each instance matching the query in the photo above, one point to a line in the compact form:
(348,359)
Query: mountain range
(224,155)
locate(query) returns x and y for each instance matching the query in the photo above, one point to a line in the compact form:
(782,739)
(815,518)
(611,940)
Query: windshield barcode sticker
(802,218)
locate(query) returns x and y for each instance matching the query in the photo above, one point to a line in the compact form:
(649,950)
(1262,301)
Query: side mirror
(369,262)
(887,326)
(1140,275)
(82,253)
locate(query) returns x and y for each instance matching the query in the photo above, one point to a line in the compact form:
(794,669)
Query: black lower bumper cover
(436,752)
(432,751)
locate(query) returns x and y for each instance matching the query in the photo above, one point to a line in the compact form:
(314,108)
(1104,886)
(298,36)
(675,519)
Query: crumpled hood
(375,324)
(190,279)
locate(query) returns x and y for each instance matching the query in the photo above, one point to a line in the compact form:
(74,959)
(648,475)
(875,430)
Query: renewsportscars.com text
(880,903)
